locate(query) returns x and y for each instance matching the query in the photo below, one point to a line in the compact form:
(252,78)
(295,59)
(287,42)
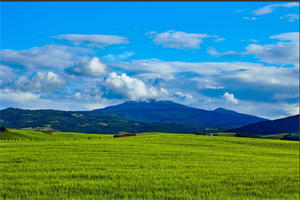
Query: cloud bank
(270,8)
(93,40)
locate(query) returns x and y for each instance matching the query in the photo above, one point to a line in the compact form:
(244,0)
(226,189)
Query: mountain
(284,125)
(86,122)
(131,116)
(168,111)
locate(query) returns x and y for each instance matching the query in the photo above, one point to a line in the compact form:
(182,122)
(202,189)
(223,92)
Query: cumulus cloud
(213,52)
(91,67)
(129,87)
(93,40)
(46,81)
(284,52)
(270,8)
(46,56)
(290,17)
(179,40)
(230,98)
(183,95)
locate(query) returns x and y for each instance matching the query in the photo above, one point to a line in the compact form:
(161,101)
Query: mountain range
(130,116)
(168,111)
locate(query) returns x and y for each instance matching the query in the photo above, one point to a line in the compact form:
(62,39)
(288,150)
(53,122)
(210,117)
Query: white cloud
(219,39)
(283,96)
(78,95)
(119,57)
(92,67)
(93,106)
(284,52)
(240,10)
(292,109)
(213,52)
(5,71)
(46,81)
(45,56)
(269,76)
(17,96)
(6,74)
(270,8)
(183,95)
(254,73)
(131,88)
(207,83)
(93,40)
(292,36)
(164,91)
(178,39)
(290,17)
(250,18)
(31,100)
(230,98)
(250,40)
(269,110)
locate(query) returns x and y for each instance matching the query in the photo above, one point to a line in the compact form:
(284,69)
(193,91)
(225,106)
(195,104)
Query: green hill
(132,116)
(146,166)
(85,122)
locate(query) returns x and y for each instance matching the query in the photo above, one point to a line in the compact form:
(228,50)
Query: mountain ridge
(152,115)
(168,111)
(283,125)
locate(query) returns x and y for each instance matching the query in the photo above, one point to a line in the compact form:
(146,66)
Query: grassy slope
(13,134)
(275,136)
(150,165)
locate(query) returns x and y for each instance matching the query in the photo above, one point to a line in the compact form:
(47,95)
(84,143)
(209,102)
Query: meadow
(36,165)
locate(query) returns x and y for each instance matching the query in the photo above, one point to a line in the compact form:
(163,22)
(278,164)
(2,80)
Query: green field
(37,165)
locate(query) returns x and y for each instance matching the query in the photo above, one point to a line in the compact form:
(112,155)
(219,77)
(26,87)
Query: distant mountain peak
(219,109)
(223,110)
(148,101)
(146,104)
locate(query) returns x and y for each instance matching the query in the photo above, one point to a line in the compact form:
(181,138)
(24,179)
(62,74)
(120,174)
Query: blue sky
(242,56)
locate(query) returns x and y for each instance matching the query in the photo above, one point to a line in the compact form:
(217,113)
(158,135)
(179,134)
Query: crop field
(36,165)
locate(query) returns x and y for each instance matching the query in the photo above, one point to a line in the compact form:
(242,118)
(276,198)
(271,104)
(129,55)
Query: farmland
(59,165)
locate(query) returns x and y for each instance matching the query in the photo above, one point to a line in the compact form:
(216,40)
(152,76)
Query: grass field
(37,165)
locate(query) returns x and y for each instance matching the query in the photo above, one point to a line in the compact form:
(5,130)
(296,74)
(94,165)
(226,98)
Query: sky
(242,56)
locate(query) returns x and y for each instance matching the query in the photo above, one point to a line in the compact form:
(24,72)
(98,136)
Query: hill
(168,111)
(284,125)
(86,122)
(131,116)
